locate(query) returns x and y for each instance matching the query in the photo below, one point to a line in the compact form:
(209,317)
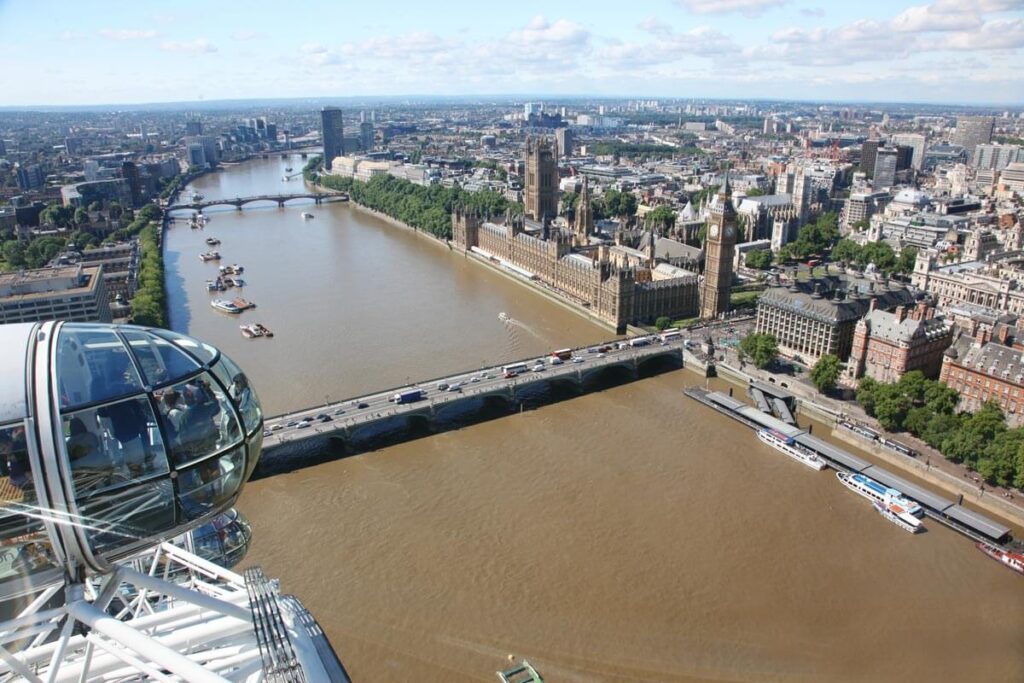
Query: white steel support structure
(135,624)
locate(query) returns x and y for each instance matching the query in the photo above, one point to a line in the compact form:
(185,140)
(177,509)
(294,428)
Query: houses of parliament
(618,284)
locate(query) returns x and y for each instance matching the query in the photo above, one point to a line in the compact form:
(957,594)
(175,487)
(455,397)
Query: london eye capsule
(113,439)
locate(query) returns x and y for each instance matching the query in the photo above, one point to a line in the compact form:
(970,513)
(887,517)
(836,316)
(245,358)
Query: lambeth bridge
(334,429)
(239,202)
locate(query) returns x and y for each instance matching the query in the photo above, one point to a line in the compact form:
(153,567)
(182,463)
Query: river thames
(629,534)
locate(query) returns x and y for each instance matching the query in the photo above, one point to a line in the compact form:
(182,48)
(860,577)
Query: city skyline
(945,51)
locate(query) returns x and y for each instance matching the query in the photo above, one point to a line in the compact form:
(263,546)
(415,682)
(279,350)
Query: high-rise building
(130,172)
(915,141)
(885,168)
(904,157)
(74,293)
(997,157)
(972,131)
(366,136)
(195,154)
(30,177)
(540,190)
(332,129)
(718,249)
(868,151)
(564,141)
(3,148)
(193,127)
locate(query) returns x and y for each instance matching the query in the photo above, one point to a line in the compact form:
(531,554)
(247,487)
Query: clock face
(713,230)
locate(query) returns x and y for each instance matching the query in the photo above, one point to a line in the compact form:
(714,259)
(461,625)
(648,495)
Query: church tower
(719,248)
(583,225)
(541,186)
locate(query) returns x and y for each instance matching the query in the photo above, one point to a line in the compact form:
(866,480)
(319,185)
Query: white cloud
(749,8)
(197,46)
(313,49)
(539,33)
(924,18)
(999,34)
(71,35)
(127,33)
(247,35)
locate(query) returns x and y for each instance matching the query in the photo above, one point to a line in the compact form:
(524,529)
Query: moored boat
(250,331)
(225,306)
(234,282)
(233,269)
(212,241)
(790,447)
(242,304)
(1014,561)
(215,285)
(876,492)
(307,215)
(210,256)
(263,330)
(898,516)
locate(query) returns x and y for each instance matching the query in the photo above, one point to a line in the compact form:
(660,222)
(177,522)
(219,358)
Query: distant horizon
(510,98)
(72,54)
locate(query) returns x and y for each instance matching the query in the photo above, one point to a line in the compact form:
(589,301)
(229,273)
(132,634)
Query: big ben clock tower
(719,248)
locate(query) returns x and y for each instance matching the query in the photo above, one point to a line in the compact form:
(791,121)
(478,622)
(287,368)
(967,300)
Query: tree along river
(629,534)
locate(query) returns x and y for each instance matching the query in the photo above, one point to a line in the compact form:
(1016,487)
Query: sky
(68,52)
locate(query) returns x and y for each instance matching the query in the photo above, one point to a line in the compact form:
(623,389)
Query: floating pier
(943,510)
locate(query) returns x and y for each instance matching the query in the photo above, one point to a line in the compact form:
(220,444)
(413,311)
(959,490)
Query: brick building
(888,345)
(984,371)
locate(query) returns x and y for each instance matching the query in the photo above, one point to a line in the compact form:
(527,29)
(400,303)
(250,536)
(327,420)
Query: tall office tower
(3,148)
(904,157)
(915,141)
(130,172)
(193,126)
(529,109)
(30,177)
(541,187)
(868,150)
(997,157)
(719,248)
(885,169)
(972,131)
(366,136)
(564,141)
(332,129)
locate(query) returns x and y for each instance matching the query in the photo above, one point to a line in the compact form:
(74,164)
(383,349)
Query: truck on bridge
(407,396)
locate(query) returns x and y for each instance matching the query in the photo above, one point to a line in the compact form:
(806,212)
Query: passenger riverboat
(898,516)
(876,492)
(1014,561)
(790,447)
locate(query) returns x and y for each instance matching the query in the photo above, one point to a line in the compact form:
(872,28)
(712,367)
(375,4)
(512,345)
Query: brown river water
(627,535)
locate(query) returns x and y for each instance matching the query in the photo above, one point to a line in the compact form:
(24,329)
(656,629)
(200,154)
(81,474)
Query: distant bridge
(239,202)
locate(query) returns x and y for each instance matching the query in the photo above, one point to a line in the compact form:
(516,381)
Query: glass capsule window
(240,391)
(153,425)
(210,484)
(93,366)
(26,555)
(161,361)
(197,418)
(113,444)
